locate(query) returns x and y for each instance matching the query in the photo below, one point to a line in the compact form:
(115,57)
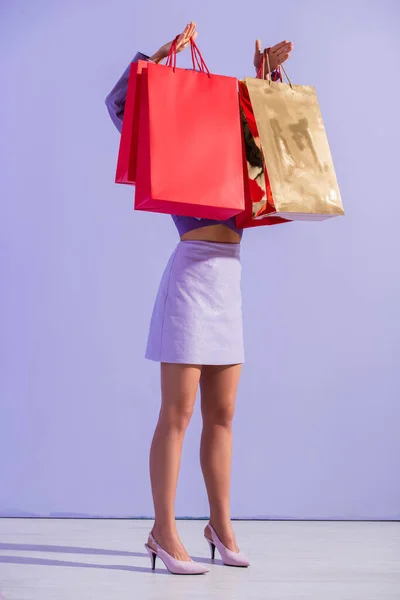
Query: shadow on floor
(23,560)
(78,550)
(69,550)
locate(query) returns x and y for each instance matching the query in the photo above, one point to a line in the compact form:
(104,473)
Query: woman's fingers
(184,38)
(282,49)
(258,46)
(279,46)
(186,32)
(192,29)
(182,35)
(281,57)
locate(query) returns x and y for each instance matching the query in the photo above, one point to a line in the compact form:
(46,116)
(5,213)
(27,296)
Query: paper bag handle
(261,70)
(197,59)
(197,56)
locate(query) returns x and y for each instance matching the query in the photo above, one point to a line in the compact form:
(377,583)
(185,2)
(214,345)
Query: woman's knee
(219,413)
(218,394)
(177,417)
(179,385)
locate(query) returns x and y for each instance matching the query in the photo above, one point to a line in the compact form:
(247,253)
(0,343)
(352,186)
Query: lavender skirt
(197,315)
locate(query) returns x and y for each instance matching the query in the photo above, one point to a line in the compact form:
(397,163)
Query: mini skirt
(197,314)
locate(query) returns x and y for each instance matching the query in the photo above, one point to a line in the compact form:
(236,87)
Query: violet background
(317,423)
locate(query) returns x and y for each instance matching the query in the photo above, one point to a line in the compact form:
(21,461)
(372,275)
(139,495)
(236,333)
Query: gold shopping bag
(298,160)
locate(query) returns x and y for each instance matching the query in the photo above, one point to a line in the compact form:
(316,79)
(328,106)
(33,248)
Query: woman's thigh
(219,384)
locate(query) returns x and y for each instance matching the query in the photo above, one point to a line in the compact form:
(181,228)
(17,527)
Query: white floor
(75,559)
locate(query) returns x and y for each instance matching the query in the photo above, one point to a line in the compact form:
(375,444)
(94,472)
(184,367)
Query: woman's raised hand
(278,54)
(182,42)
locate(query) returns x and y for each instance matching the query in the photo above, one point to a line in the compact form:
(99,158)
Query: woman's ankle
(168,530)
(220,521)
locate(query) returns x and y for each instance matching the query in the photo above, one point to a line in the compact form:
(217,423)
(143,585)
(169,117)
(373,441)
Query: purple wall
(317,425)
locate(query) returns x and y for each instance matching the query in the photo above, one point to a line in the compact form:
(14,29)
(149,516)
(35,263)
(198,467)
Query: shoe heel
(152,555)
(229,557)
(212,548)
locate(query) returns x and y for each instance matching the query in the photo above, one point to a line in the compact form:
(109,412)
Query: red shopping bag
(258,189)
(128,146)
(190,146)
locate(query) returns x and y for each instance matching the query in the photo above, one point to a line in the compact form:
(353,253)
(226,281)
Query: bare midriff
(213,233)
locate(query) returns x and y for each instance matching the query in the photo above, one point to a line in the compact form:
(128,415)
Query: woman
(196,335)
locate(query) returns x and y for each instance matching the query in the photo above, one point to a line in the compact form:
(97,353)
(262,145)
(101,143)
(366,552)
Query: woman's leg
(218,395)
(179,384)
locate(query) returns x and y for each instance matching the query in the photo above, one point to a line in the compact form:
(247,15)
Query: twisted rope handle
(171,58)
(261,70)
(197,58)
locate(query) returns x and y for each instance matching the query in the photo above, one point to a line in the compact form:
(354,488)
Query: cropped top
(115,103)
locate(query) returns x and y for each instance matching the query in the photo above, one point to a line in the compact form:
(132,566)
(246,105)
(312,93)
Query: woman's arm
(115,100)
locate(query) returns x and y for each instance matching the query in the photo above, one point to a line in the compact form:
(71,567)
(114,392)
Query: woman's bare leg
(218,395)
(179,384)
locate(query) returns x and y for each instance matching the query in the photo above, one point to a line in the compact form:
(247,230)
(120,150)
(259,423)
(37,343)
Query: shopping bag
(190,146)
(301,174)
(256,177)
(127,155)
